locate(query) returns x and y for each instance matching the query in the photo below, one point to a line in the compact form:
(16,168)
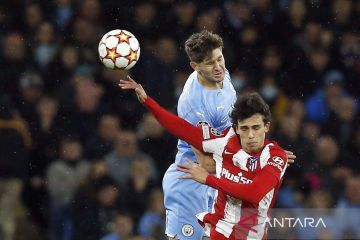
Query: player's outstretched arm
(175,125)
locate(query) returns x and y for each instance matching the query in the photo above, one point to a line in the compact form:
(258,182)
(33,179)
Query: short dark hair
(200,45)
(248,105)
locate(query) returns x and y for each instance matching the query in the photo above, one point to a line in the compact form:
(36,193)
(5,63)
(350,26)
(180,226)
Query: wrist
(147,101)
(210,179)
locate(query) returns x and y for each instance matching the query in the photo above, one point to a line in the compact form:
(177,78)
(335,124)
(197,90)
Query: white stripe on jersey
(265,155)
(206,132)
(263,209)
(217,145)
(225,228)
(283,171)
(240,160)
(232,211)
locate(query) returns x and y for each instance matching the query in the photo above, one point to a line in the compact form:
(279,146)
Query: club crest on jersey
(252,163)
(202,123)
(216,132)
(187,230)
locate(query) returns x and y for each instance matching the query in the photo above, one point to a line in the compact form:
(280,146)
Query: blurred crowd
(81,159)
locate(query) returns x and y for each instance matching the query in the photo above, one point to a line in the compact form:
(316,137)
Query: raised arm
(172,123)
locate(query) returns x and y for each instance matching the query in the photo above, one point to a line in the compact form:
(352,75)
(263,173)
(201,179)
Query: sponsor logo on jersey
(277,162)
(239,178)
(187,230)
(216,132)
(252,163)
(202,123)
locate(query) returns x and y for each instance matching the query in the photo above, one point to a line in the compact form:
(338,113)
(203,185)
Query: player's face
(252,132)
(212,69)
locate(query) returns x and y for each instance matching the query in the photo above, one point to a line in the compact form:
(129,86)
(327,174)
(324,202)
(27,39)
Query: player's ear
(235,126)
(267,127)
(193,65)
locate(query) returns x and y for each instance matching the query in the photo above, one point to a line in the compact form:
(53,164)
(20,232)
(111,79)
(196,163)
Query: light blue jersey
(198,104)
(185,198)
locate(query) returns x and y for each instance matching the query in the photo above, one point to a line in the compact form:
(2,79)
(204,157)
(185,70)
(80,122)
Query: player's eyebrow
(249,126)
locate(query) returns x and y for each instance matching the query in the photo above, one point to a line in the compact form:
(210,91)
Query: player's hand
(194,170)
(205,160)
(131,84)
(291,157)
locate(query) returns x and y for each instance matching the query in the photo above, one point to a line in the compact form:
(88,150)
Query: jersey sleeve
(253,192)
(277,162)
(214,140)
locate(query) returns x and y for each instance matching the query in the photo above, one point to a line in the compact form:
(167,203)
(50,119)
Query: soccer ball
(119,49)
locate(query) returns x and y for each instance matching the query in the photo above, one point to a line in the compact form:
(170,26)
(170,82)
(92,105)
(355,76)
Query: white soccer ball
(119,49)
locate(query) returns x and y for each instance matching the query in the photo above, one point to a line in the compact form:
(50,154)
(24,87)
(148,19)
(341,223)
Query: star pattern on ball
(123,37)
(112,54)
(132,57)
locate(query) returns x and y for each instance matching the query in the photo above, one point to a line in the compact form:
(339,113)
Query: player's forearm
(252,192)
(205,160)
(175,125)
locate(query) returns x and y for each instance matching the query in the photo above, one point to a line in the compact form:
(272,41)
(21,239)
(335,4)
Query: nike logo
(226,152)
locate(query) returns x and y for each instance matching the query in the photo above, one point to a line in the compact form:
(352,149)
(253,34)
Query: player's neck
(254,151)
(209,84)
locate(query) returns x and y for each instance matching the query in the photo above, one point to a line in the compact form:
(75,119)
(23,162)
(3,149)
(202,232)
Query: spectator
(32,18)
(45,45)
(123,228)
(151,134)
(31,90)
(139,186)
(347,209)
(120,159)
(92,215)
(326,169)
(343,118)
(63,68)
(152,223)
(15,144)
(64,176)
(319,104)
(13,61)
(100,144)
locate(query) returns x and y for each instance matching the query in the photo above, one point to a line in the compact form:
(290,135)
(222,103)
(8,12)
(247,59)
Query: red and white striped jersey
(247,184)
(234,218)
